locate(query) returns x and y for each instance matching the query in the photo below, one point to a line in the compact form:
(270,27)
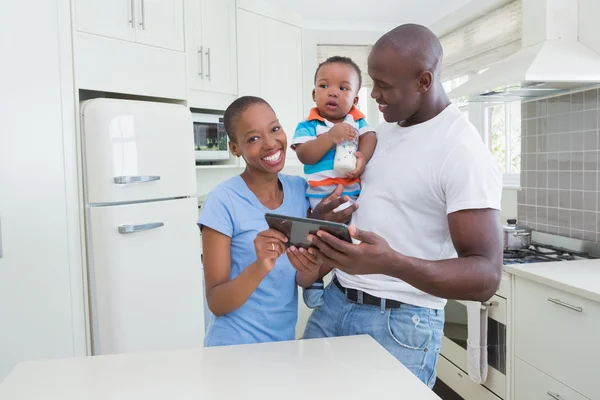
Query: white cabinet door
(269,56)
(248,46)
(281,64)
(112,18)
(532,384)
(147,285)
(193,43)
(160,23)
(219,42)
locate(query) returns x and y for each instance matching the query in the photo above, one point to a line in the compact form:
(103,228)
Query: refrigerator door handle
(139,228)
(127,180)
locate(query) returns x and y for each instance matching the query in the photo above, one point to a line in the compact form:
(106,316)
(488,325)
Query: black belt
(360,297)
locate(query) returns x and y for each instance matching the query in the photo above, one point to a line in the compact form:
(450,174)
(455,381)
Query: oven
(210,139)
(454,344)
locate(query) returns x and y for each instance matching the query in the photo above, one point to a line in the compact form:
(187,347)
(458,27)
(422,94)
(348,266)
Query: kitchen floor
(445,393)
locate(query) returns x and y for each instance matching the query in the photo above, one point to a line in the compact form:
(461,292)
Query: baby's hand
(361,162)
(341,132)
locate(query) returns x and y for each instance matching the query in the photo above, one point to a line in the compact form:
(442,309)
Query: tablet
(297,229)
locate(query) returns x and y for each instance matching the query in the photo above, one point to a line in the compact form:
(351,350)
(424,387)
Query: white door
(249,55)
(112,18)
(160,23)
(219,42)
(281,64)
(193,43)
(146,284)
(137,150)
(37,303)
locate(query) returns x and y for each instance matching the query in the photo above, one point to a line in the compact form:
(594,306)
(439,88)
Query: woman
(251,280)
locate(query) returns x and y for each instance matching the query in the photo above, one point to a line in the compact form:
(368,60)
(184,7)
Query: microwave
(210,139)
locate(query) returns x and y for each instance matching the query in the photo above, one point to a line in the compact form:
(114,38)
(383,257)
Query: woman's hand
(269,245)
(305,261)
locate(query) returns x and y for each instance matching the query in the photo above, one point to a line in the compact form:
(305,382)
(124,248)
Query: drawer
(531,384)
(460,382)
(557,333)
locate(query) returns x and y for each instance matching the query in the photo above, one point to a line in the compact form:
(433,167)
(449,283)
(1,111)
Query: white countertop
(581,278)
(337,368)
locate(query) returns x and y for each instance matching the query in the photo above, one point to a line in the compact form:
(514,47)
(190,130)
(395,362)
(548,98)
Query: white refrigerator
(144,264)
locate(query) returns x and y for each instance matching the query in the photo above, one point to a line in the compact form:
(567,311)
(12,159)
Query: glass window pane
(515,137)
(496,122)
(363,98)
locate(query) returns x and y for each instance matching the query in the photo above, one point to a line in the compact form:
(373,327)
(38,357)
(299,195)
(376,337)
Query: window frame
(511,180)
(477,116)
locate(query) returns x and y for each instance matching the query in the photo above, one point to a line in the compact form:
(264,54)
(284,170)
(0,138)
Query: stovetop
(537,252)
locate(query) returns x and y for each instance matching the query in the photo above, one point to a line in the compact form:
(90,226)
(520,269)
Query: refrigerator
(143,244)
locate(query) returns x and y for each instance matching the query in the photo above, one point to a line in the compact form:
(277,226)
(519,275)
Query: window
(503,129)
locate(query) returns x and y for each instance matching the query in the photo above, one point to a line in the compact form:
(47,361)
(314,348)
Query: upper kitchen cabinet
(112,18)
(131,46)
(153,22)
(270,65)
(160,23)
(211,53)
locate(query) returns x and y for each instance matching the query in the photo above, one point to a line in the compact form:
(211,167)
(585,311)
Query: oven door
(454,342)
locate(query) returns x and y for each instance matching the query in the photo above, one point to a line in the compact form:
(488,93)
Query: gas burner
(536,253)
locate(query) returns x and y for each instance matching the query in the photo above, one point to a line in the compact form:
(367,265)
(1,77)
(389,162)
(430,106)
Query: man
(428,222)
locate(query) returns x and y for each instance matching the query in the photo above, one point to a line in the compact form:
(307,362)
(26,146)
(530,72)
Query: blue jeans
(411,334)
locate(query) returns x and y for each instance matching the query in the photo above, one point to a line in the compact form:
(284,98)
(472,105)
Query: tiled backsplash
(559,166)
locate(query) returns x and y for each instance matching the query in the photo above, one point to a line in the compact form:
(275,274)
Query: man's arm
(474,275)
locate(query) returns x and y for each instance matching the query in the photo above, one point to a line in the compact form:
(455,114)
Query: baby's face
(336,90)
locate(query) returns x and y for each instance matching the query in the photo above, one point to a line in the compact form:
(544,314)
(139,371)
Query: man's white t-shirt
(416,177)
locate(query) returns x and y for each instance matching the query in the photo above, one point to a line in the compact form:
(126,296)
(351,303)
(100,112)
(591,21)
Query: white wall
(509,204)
(208,178)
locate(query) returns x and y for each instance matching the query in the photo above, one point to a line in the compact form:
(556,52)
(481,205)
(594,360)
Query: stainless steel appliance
(452,365)
(210,138)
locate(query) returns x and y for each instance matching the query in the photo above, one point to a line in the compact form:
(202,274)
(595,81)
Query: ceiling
(361,14)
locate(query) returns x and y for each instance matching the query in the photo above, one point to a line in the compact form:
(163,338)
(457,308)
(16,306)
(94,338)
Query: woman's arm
(223,294)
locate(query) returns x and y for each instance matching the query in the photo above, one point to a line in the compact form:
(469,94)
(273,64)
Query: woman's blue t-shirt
(271,312)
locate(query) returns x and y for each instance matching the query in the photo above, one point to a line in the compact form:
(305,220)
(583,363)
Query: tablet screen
(297,229)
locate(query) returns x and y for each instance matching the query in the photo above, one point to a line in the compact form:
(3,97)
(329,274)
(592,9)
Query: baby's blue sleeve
(305,132)
(217,212)
(363,127)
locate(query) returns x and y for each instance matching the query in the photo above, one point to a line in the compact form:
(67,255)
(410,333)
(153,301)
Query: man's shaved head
(416,43)
(405,66)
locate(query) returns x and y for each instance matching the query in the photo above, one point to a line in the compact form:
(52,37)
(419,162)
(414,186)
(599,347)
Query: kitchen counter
(581,278)
(335,368)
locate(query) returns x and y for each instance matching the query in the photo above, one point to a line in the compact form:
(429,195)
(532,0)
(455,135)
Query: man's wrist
(394,263)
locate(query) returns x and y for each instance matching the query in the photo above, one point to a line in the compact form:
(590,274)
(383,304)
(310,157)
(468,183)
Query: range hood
(551,61)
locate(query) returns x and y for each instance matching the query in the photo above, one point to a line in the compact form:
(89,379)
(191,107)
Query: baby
(334,143)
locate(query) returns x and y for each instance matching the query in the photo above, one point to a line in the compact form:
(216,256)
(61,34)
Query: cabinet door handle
(132,16)
(201,62)
(555,396)
(208,75)
(124,229)
(562,303)
(127,180)
(1,253)
(143,21)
